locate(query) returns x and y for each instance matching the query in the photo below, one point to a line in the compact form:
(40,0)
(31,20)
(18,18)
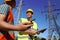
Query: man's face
(29,15)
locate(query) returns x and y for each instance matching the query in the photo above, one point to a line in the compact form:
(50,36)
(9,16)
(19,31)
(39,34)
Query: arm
(3,24)
(6,26)
(31,32)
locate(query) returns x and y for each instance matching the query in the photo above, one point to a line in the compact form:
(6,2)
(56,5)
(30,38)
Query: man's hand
(33,32)
(23,26)
(29,31)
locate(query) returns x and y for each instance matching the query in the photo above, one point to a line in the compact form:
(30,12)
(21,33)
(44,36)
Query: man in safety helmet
(6,21)
(28,34)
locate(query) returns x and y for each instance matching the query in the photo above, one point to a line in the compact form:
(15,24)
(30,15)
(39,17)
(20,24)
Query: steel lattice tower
(18,18)
(53,26)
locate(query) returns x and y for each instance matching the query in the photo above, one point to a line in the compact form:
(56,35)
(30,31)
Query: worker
(6,21)
(27,35)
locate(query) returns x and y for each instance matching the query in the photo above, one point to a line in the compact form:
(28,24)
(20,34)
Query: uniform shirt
(4,9)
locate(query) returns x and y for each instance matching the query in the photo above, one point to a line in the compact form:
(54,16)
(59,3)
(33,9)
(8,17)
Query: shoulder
(4,8)
(4,5)
(34,22)
(23,20)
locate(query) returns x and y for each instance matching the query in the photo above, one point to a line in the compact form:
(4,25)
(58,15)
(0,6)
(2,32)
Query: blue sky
(38,6)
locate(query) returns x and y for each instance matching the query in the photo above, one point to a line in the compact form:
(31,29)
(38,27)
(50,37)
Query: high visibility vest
(8,35)
(26,36)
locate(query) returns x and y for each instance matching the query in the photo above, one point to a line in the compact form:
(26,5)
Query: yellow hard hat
(10,1)
(7,0)
(29,10)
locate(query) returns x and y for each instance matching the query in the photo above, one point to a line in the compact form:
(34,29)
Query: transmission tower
(53,26)
(18,18)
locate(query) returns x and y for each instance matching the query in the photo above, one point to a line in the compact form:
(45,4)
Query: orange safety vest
(7,35)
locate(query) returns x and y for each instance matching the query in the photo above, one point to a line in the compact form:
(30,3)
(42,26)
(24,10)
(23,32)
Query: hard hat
(29,10)
(7,0)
